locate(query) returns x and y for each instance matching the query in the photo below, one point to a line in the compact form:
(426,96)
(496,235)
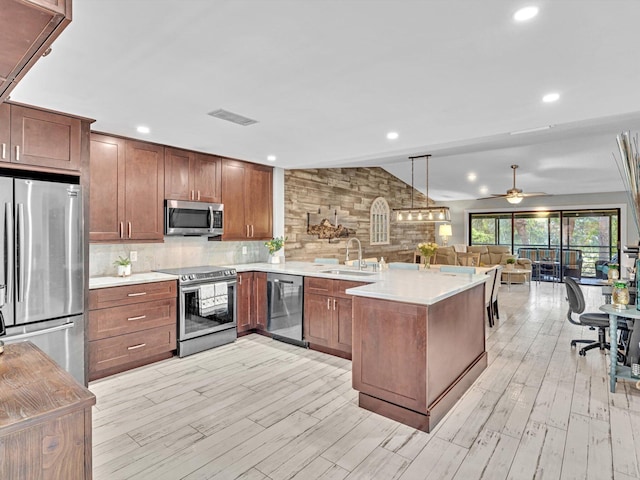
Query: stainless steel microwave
(193,218)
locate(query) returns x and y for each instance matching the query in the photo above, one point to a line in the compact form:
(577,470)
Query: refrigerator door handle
(20,268)
(44,331)
(8,242)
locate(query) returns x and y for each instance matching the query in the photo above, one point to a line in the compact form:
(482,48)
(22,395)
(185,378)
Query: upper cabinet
(40,138)
(27,30)
(191,176)
(247,195)
(127,186)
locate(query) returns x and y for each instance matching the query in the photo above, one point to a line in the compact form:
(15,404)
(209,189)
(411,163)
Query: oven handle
(195,288)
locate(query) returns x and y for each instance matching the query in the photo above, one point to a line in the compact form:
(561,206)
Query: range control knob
(183,278)
(192,276)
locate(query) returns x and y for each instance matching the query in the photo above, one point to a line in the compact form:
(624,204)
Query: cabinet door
(106,217)
(259,320)
(144,191)
(317,319)
(259,207)
(26,31)
(177,179)
(44,139)
(206,178)
(244,291)
(233,198)
(342,325)
(5,131)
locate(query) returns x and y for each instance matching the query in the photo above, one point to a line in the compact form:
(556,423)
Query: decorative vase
(124,270)
(620,295)
(509,266)
(613,274)
(427,261)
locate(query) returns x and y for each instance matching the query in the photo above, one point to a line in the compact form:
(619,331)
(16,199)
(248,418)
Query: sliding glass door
(581,242)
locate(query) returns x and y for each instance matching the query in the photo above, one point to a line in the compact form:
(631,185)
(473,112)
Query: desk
(619,371)
(517,271)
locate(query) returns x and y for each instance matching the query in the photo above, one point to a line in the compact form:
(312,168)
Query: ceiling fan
(515,195)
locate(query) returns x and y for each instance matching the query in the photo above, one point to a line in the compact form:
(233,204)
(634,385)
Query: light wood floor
(260,409)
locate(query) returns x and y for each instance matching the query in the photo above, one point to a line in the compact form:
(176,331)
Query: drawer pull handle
(133,347)
(141,317)
(136,294)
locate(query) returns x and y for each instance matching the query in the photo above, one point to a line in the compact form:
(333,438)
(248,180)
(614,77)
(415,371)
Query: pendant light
(426,214)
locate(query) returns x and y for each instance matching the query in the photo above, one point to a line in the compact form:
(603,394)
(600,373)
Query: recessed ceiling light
(271,158)
(471,177)
(550,97)
(526,13)
(392,135)
(484,190)
(143,129)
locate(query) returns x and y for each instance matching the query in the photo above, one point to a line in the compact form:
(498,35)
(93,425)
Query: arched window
(379,229)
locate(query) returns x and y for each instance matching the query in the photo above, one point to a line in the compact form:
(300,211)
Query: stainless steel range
(207,307)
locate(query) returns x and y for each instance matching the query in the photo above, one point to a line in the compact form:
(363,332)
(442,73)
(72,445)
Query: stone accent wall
(351,191)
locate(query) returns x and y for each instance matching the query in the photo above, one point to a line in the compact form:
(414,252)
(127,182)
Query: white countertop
(423,287)
(133,279)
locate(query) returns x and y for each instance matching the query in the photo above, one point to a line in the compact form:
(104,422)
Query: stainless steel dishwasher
(284,300)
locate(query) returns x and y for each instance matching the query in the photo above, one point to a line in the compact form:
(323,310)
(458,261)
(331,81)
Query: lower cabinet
(131,326)
(327,315)
(251,312)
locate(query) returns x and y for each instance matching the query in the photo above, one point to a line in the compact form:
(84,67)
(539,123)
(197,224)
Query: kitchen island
(418,338)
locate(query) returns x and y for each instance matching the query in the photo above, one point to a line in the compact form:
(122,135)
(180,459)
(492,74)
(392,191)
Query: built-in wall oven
(206,307)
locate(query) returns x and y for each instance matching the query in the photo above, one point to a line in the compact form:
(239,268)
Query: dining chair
(457,269)
(403,266)
(494,293)
(488,293)
(332,261)
(469,259)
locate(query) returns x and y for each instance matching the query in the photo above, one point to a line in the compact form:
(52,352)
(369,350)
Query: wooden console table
(45,418)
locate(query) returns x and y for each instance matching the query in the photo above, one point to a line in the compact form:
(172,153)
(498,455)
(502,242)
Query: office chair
(591,320)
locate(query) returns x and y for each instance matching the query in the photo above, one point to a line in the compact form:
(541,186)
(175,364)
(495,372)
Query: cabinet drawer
(109,353)
(126,295)
(320,286)
(339,286)
(109,322)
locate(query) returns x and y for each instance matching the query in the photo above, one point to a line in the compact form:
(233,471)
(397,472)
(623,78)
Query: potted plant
(274,245)
(124,266)
(510,263)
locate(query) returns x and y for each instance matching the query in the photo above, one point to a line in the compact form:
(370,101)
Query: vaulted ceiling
(327,80)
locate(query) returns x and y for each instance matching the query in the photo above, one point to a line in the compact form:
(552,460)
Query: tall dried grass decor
(629,167)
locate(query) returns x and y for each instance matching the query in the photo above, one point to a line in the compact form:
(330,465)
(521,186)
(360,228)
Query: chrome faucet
(361,265)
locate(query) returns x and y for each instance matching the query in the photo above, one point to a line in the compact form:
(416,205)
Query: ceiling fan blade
(533,194)
(492,195)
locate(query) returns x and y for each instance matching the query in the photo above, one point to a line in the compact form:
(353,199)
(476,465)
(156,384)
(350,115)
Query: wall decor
(319,224)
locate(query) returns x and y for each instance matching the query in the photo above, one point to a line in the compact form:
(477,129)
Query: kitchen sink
(337,271)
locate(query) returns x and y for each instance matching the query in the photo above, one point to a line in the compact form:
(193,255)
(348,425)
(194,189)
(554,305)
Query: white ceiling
(328,79)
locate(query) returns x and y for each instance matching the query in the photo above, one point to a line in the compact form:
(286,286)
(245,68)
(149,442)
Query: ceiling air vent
(232,117)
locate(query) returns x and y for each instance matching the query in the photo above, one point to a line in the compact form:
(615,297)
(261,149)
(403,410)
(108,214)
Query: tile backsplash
(173,253)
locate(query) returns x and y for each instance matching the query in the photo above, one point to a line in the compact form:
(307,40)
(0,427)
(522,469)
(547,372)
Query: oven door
(206,308)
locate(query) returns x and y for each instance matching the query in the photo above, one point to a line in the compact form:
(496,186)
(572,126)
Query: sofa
(489,255)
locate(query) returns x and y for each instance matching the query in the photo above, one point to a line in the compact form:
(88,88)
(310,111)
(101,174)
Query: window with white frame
(379,229)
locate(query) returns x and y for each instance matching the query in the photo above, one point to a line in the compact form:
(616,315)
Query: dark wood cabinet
(27,30)
(327,315)
(131,326)
(191,176)
(127,190)
(45,426)
(247,194)
(39,138)
(251,290)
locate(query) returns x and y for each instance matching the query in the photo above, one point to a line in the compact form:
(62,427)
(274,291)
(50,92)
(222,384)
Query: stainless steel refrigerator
(42,268)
